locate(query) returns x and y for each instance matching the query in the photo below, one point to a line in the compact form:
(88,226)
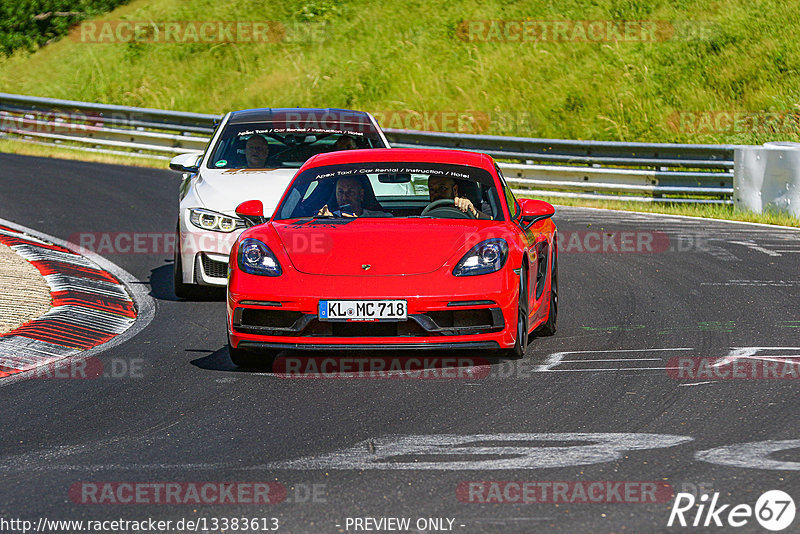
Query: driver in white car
(256,152)
(442,187)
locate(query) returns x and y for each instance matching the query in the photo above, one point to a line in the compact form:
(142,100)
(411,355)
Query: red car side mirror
(252,211)
(534,211)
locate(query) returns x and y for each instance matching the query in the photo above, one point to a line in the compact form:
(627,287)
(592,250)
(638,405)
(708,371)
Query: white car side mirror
(186,162)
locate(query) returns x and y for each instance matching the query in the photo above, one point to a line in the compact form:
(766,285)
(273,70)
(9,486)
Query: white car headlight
(213,221)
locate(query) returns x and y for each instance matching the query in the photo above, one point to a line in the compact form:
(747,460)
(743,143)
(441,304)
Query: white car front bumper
(204,254)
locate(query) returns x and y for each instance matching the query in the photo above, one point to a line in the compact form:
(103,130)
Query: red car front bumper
(445,311)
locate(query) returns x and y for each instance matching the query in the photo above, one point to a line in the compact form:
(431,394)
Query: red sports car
(393,249)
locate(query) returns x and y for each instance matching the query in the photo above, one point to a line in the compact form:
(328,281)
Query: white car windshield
(285,145)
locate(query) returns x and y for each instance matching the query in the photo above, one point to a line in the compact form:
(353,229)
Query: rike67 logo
(774,510)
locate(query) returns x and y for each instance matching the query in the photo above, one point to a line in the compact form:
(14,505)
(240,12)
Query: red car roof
(416,155)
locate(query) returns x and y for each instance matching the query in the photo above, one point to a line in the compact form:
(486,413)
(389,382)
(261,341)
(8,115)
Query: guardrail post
(767,178)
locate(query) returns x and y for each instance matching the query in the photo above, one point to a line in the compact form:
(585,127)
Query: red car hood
(386,246)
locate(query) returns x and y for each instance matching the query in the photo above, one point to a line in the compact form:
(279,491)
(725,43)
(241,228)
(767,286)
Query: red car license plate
(362,310)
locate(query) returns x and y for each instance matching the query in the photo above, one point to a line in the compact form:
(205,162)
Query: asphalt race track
(637,293)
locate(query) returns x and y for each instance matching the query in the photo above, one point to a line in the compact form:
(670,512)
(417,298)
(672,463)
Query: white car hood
(224,190)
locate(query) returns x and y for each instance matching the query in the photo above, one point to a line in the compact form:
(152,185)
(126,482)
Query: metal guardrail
(650,172)
(123,130)
(592,169)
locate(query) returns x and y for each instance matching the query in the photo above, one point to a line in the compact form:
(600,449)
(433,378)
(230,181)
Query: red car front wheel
(518,351)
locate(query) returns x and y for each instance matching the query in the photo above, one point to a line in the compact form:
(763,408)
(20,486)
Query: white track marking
(26,237)
(757,248)
(753,455)
(722,254)
(738,353)
(557,358)
(556,362)
(735,354)
(398,452)
(552,360)
(32,253)
(20,352)
(89,318)
(61,282)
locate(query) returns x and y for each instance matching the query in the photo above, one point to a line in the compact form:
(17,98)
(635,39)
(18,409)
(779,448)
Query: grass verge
(722,71)
(47,151)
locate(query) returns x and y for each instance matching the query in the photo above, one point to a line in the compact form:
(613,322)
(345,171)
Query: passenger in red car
(441,187)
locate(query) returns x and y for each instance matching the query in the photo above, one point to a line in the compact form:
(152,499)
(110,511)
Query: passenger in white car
(345,142)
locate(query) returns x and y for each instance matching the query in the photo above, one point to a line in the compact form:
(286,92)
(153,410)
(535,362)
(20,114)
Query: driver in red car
(442,187)
(350,192)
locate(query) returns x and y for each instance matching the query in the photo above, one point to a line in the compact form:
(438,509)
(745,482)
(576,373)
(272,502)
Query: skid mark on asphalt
(700,326)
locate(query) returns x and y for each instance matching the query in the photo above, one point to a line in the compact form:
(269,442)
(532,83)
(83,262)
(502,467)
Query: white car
(253,154)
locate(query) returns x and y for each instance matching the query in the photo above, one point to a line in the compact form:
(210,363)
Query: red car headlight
(486,257)
(256,258)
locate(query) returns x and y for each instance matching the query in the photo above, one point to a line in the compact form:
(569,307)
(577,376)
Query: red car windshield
(393,189)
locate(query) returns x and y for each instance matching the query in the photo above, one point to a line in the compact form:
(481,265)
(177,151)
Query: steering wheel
(274,153)
(445,208)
